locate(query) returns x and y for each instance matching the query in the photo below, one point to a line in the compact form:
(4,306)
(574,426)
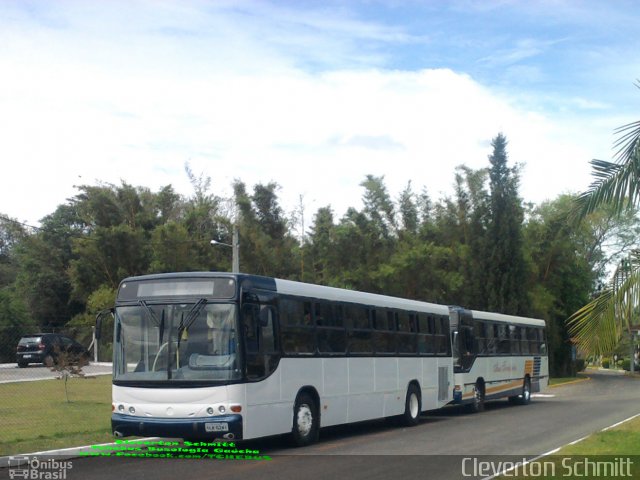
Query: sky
(312,95)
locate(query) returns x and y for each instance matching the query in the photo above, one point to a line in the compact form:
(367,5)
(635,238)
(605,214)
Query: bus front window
(176,342)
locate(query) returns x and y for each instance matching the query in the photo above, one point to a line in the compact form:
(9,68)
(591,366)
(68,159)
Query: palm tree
(598,326)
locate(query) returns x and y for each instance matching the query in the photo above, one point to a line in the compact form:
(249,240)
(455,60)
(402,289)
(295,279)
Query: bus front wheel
(306,421)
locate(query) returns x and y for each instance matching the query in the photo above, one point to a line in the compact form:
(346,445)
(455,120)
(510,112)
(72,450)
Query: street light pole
(235,250)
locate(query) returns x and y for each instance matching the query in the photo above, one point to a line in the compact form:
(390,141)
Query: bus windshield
(176,342)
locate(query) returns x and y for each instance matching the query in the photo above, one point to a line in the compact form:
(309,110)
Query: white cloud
(82,103)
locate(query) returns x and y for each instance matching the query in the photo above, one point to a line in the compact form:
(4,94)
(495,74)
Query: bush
(605,363)
(580,364)
(626,365)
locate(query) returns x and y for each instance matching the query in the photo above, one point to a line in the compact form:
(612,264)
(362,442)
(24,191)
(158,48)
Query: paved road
(9,372)
(434,449)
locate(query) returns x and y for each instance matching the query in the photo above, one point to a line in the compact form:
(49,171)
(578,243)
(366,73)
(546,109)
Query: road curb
(578,380)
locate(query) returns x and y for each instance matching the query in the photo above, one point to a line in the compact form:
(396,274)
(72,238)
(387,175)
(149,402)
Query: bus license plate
(216,427)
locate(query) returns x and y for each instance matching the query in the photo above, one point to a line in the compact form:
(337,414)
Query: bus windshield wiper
(193,313)
(153,316)
(151,313)
(161,332)
(191,317)
(185,324)
(181,328)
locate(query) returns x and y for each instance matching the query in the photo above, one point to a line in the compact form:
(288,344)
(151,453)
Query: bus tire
(306,421)
(412,407)
(477,404)
(525,397)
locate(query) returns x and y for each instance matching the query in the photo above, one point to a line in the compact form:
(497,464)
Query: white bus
(234,356)
(497,356)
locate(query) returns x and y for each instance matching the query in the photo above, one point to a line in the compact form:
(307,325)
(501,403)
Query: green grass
(619,442)
(36,416)
(622,440)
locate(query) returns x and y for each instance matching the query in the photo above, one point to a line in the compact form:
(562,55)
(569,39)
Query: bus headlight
(210,410)
(132,410)
(222,409)
(121,408)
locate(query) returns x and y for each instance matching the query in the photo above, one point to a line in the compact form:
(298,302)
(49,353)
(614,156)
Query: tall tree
(378,206)
(408,209)
(11,233)
(14,317)
(506,270)
(460,224)
(322,247)
(267,246)
(44,259)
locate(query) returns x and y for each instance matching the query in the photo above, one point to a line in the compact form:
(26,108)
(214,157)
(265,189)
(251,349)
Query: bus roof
(310,290)
(341,295)
(499,317)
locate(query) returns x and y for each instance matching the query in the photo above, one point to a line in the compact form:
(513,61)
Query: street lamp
(215,242)
(235,249)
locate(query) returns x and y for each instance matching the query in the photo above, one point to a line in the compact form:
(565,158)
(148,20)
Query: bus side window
(267,335)
(490,335)
(534,344)
(250,328)
(524,343)
(504,347)
(359,336)
(514,337)
(258,325)
(543,345)
(425,340)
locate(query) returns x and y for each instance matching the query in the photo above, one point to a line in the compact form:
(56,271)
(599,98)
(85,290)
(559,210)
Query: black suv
(46,347)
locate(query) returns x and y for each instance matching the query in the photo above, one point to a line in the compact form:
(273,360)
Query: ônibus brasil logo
(34,468)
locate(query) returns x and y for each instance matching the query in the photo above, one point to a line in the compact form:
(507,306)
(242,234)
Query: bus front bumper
(222,426)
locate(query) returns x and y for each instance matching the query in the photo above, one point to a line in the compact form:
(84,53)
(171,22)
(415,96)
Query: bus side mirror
(99,316)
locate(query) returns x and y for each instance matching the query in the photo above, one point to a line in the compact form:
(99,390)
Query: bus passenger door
(467,347)
(463,340)
(261,354)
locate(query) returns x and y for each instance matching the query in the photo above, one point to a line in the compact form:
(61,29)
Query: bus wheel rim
(526,394)
(413,405)
(304,420)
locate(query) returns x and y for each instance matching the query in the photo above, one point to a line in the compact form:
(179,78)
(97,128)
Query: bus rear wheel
(477,405)
(525,397)
(412,407)
(306,421)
